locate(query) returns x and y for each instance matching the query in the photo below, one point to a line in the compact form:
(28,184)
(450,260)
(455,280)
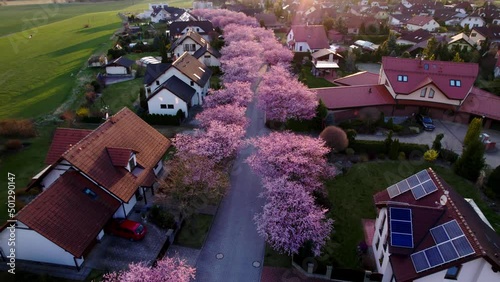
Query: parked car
(126,228)
(426,122)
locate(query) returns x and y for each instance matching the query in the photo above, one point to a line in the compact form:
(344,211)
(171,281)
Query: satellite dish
(443,200)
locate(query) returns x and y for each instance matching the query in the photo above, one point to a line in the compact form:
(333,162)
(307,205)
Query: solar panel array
(451,244)
(401,228)
(420,185)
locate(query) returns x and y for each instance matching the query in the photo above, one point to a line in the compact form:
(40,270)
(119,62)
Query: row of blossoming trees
(292,167)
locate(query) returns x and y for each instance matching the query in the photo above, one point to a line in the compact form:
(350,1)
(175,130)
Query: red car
(127,229)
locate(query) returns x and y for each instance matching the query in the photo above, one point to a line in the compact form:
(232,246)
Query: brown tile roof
(482,103)
(123,130)
(67,216)
(419,20)
(346,97)
(119,156)
(314,35)
(427,214)
(196,37)
(193,69)
(63,139)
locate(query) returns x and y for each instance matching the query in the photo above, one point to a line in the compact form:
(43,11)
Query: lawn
(119,95)
(194,231)
(316,82)
(352,198)
(275,259)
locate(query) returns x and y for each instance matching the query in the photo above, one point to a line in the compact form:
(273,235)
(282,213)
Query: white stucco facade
(187,45)
(296,46)
(116,70)
(54,174)
(472,22)
(209,60)
(166,103)
(125,208)
(431,26)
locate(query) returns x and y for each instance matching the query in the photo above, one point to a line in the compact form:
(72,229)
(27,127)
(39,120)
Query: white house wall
(210,60)
(430,26)
(39,249)
(198,30)
(477,270)
(179,50)
(158,167)
(439,97)
(166,97)
(121,213)
(200,91)
(116,70)
(54,174)
(472,22)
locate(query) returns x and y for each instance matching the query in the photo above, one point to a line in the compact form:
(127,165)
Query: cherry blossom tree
(217,142)
(275,53)
(283,97)
(225,114)
(297,157)
(166,270)
(194,182)
(238,49)
(223,17)
(290,218)
(237,92)
(243,69)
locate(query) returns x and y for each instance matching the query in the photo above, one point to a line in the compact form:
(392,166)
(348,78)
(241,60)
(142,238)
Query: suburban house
(399,20)
(461,42)
(208,56)
(179,28)
(480,34)
(97,61)
(307,38)
(445,90)
(189,42)
(426,231)
(269,20)
(92,176)
(414,37)
(163,13)
(422,22)
(176,86)
(120,66)
(473,20)
(325,61)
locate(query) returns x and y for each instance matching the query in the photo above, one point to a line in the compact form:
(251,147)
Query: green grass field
(352,198)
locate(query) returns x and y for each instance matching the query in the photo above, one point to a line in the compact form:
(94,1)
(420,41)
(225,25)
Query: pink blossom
(290,218)
(223,17)
(283,97)
(218,141)
(225,114)
(166,270)
(233,93)
(297,157)
(245,69)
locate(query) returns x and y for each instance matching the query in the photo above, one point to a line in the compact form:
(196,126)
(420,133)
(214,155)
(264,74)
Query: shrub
(436,144)
(67,115)
(13,144)
(494,181)
(381,156)
(162,218)
(431,155)
(349,151)
(473,131)
(448,155)
(377,147)
(299,125)
(471,162)
(156,119)
(335,138)
(402,156)
(90,97)
(82,112)
(351,135)
(388,142)
(21,128)
(394,150)
(97,86)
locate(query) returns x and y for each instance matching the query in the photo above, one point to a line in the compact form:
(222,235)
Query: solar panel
(403,186)
(393,191)
(434,256)
(401,240)
(400,214)
(448,251)
(463,246)
(418,192)
(423,176)
(413,181)
(453,229)
(429,186)
(439,234)
(401,228)
(420,261)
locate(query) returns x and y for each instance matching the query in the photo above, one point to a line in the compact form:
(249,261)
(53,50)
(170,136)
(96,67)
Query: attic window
(431,93)
(426,66)
(403,78)
(455,83)
(90,193)
(132,163)
(192,83)
(422,92)
(452,272)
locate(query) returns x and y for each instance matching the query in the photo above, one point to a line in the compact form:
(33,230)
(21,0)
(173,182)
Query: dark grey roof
(193,69)
(196,37)
(178,88)
(177,27)
(122,61)
(417,36)
(204,49)
(153,71)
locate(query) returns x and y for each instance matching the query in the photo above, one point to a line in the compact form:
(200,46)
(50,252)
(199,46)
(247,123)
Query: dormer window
(455,83)
(132,163)
(191,83)
(90,193)
(431,93)
(422,92)
(403,78)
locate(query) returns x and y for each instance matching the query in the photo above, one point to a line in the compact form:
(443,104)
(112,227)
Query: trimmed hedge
(372,147)
(156,119)
(448,155)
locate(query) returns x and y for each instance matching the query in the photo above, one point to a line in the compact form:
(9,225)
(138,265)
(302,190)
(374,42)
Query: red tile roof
(482,103)
(421,72)
(427,214)
(419,20)
(123,130)
(63,139)
(345,97)
(67,216)
(314,35)
(359,78)
(119,156)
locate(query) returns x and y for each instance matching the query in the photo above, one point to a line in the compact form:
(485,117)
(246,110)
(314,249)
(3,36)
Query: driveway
(454,134)
(233,250)
(115,253)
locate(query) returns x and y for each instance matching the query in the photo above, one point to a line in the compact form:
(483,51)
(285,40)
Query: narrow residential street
(233,250)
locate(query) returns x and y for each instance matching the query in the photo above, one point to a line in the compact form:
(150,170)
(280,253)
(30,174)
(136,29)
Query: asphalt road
(233,251)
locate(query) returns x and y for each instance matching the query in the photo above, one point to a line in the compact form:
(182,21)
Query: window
(157,82)
(170,106)
(455,83)
(452,272)
(431,93)
(148,90)
(191,83)
(403,78)
(90,193)
(422,92)
(163,106)
(426,66)
(132,163)
(473,34)
(207,56)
